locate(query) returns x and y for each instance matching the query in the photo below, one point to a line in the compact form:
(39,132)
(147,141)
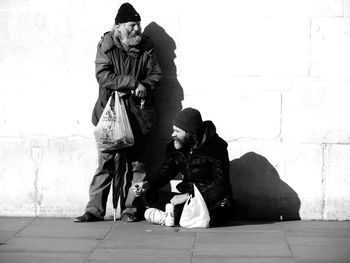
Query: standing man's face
(130,33)
(180,138)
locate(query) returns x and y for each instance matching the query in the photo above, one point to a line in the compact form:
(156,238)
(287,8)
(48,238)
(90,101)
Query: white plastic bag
(195,212)
(113,131)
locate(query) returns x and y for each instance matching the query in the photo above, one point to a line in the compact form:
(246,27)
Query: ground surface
(61,240)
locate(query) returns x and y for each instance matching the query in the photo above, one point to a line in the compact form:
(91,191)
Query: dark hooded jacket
(122,71)
(207,166)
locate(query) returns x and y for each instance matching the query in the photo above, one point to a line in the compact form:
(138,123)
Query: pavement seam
(286,240)
(24,227)
(193,245)
(100,240)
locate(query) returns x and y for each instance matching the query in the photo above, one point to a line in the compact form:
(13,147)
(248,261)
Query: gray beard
(131,41)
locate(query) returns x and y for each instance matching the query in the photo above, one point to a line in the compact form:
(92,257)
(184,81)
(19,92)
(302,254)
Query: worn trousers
(120,171)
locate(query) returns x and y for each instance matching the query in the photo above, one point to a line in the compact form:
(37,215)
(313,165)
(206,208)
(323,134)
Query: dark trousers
(120,170)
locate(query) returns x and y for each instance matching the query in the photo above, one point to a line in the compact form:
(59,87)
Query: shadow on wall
(259,192)
(170,93)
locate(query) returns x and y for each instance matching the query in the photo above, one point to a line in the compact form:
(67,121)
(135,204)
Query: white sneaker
(155,216)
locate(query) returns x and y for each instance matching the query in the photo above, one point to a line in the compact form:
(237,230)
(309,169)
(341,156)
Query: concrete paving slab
(143,240)
(234,259)
(318,233)
(242,237)
(15,223)
(314,225)
(141,255)
(61,240)
(318,241)
(141,226)
(316,229)
(321,254)
(239,226)
(49,245)
(6,235)
(228,245)
(41,257)
(66,228)
(224,249)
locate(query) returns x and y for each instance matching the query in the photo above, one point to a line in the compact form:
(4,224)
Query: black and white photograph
(175,131)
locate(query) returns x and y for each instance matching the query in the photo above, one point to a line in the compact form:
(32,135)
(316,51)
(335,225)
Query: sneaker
(155,216)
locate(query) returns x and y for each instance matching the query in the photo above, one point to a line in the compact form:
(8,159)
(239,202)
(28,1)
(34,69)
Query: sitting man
(200,156)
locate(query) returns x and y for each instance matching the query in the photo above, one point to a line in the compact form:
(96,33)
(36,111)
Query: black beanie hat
(189,120)
(127,13)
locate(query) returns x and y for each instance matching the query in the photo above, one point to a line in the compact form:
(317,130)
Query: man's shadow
(168,96)
(259,192)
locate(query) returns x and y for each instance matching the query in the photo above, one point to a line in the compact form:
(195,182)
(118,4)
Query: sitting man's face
(180,138)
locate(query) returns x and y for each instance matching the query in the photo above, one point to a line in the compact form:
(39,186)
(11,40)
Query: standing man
(200,156)
(126,64)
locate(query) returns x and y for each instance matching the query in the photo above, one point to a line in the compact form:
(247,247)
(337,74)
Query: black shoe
(87,217)
(129,218)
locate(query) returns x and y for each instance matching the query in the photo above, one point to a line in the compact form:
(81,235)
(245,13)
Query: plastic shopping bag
(195,212)
(113,131)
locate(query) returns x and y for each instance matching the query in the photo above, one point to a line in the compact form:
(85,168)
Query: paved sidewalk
(61,240)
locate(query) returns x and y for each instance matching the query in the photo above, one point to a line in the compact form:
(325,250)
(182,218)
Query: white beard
(130,41)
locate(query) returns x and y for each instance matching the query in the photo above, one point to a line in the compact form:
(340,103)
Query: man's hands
(140,187)
(141,91)
(179,199)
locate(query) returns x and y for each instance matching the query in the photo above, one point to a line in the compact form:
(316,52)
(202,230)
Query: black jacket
(206,166)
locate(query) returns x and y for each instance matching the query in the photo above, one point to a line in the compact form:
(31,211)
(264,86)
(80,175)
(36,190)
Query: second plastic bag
(113,131)
(195,212)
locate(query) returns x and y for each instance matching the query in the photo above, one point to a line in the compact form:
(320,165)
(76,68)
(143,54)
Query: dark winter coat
(206,166)
(122,71)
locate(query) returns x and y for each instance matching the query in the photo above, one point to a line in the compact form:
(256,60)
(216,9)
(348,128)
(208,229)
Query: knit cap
(189,120)
(127,13)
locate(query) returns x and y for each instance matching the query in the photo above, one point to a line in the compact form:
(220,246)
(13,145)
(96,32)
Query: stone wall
(272,75)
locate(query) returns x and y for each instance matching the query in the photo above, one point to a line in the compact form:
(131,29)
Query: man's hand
(141,187)
(140,91)
(179,199)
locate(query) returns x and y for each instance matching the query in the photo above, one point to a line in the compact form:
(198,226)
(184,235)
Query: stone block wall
(272,75)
